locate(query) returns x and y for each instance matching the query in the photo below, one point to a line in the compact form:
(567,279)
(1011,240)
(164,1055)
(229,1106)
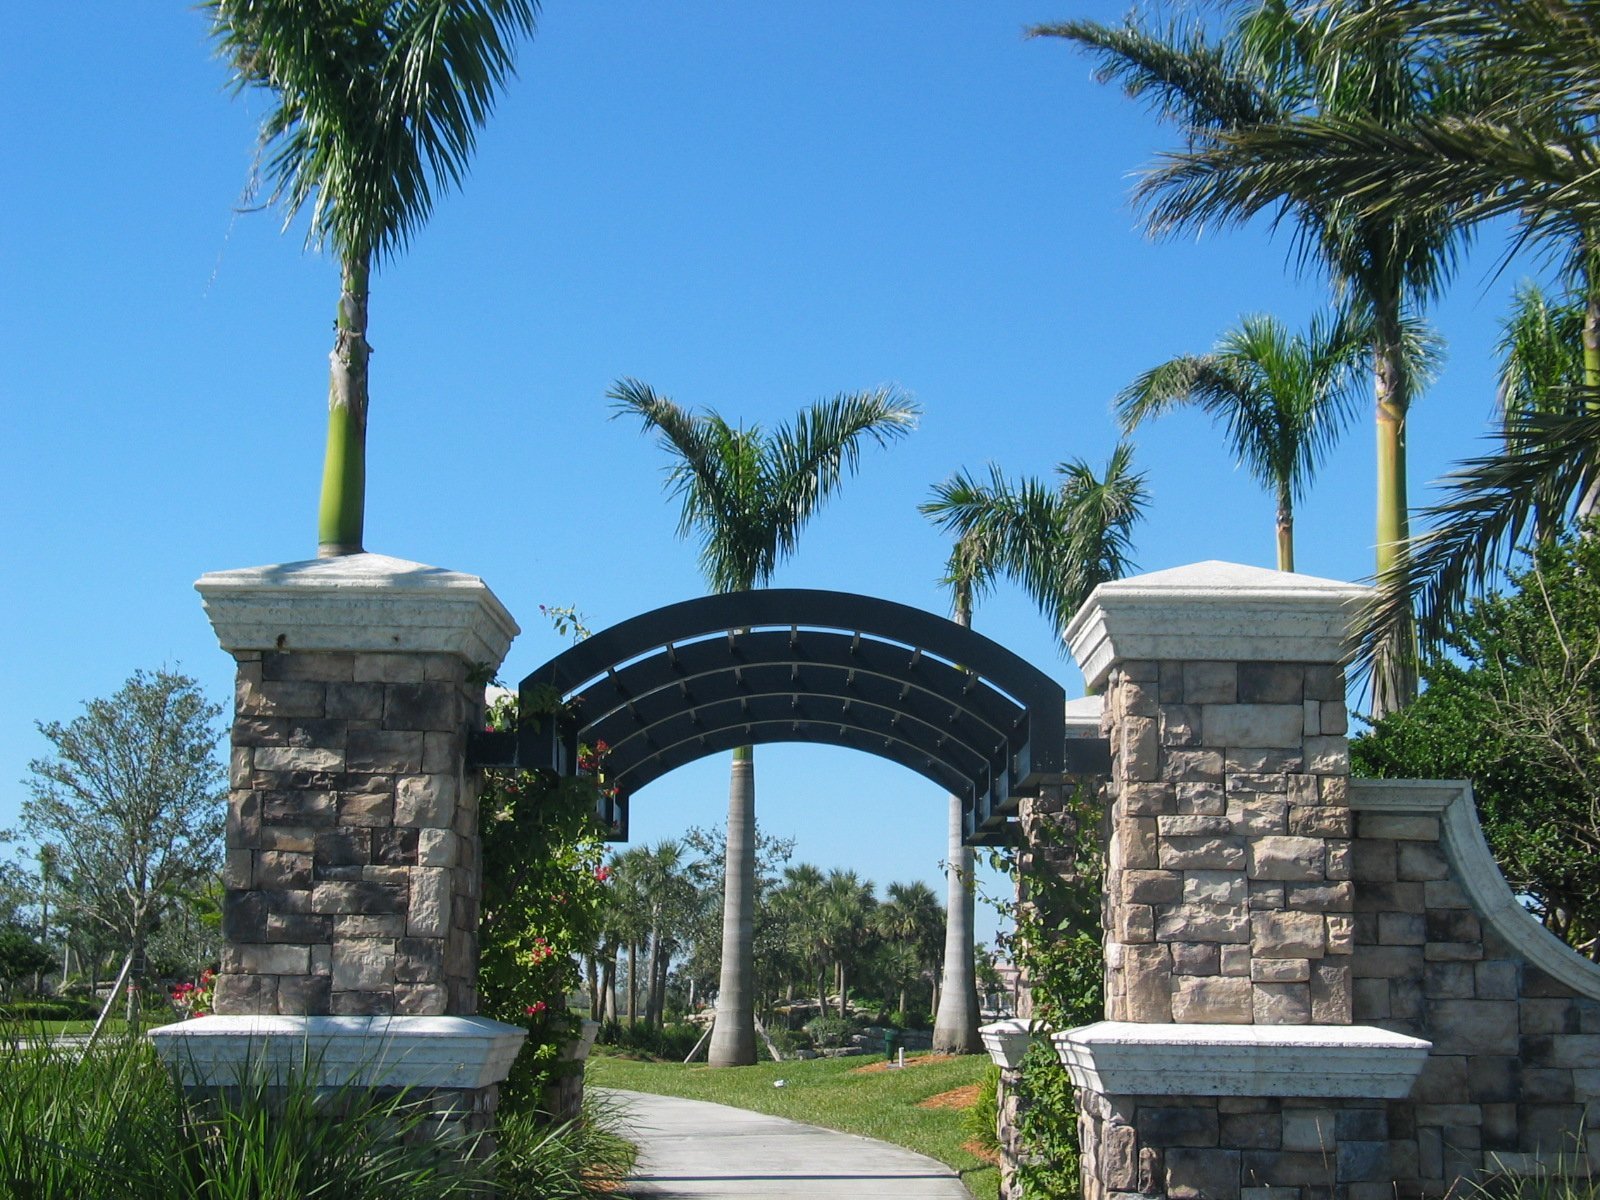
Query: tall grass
(107,1123)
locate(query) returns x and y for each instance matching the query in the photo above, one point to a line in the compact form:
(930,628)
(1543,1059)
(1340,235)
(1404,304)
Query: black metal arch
(793,665)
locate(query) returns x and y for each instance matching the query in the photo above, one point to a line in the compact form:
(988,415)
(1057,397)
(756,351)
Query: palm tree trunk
(955,1023)
(342,512)
(733,1034)
(1394,675)
(844,991)
(1591,365)
(1285,528)
(633,982)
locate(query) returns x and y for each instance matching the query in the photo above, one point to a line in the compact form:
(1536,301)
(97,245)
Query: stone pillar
(352,874)
(1228,896)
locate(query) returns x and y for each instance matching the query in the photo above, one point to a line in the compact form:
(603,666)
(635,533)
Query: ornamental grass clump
(107,1123)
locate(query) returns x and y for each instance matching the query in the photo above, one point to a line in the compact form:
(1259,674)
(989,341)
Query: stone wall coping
(1121,1058)
(1008,1041)
(386,1051)
(1214,611)
(1474,868)
(367,603)
(1083,716)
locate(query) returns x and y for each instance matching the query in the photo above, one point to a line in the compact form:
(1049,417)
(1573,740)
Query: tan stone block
(1259,815)
(1265,894)
(1196,958)
(1147,974)
(1145,799)
(1180,725)
(1202,853)
(1320,821)
(267,959)
(442,753)
(1236,960)
(1287,934)
(1203,923)
(241,766)
(1202,799)
(1341,934)
(421,999)
(1215,888)
(1338,866)
(1133,923)
(360,925)
(1140,746)
(1331,991)
(440,848)
(1212,1000)
(388,668)
(366,809)
(431,897)
(1327,755)
(1262,726)
(1398,826)
(1244,760)
(1334,789)
(425,800)
(1288,858)
(1281,1004)
(294,838)
(1138,698)
(1280,970)
(1313,715)
(1133,843)
(1333,718)
(237,870)
(1193,826)
(1194,765)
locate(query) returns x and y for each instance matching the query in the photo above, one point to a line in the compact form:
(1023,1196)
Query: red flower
(534,1009)
(602,874)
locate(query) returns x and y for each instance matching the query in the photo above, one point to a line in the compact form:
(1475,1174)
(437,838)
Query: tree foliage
(133,797)
(1514,706)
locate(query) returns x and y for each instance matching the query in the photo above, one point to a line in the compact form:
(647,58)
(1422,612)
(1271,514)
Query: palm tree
(1058,544)
(1282,399)
(746,495)
(957,1014)
(376,108)
(910,917)
(1282,63)
(846,906)
(1526,149)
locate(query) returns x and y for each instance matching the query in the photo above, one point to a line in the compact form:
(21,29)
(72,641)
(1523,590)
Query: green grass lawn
(833,1094)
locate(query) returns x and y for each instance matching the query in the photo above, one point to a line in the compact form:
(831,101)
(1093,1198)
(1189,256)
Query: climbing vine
(543,891)
(1057,945)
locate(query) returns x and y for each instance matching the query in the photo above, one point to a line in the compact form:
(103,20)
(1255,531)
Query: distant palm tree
(910,916)
(377,107)
(1058,544)
(746,494)
(846,906)
(1283,400)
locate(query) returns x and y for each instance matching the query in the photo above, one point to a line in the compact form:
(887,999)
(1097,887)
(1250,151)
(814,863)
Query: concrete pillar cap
(1215,612)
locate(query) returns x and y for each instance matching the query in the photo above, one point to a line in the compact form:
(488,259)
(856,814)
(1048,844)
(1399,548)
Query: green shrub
(981,1121)
(827,1032)
(569,1161)
(66,1008)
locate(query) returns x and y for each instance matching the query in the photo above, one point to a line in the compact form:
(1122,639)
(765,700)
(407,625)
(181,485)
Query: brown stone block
(1371,1001)
(242,825)
(298,808)
(241,766)
(1271,683)
(1467,952)
(1421,860)
(363,964)
(419,960)
(1242,785)
(425,800)
(244,995)
(1177,1125)
(384,751)
(1147,975)
(260,731)
(302,928)
(1257,815)
(278,699)
(1180,825)
(1133,844)
(1453,925)
(1280,970)
(1473,1026)
(1202,799)
(296,839)
(1449,981)
(339,898)
(354,701)
(1236,960)
(394,847)
(307,666)
(432,707)
(1202,923)
(1387,962)
(244,916)
(1401,929)
(277,959)
(1388,897)
(1341,934)
(1214,889)
(1150,887)
(369,809)
(1138,749)
(421,999)
(1202,1174)
(1286,858)
(305,995)
(443,753)
(1210,682)
(363,1004)
(360,925)
(1138,698)
(282,869)
(1196,958)
(1246,761)
(1320,897)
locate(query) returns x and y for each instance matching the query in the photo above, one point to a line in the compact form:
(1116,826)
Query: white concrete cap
(1007,1041)
(1214,611)
(357,602)
(1083,716)
(381,1051)
(1120,1058)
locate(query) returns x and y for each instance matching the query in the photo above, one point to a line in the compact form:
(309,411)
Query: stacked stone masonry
(351,871)
(1229,891)
(1513,1081)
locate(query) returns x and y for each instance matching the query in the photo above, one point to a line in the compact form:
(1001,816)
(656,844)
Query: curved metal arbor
(794,665)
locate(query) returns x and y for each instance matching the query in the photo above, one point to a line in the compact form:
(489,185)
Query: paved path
(688,1148)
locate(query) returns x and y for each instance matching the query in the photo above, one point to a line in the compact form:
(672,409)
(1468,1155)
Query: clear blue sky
(749,206)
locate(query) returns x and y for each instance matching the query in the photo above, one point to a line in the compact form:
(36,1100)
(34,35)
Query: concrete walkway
(688,1148)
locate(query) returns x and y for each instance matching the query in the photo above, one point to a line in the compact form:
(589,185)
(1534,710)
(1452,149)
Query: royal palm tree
(910,916)
(957,1013)
(746,495)
(1284,62)
(1059,544)
(1283,399)
(376,106)
(1524,149)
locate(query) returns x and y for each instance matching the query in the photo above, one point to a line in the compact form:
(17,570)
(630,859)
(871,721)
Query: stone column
(1228,895)
(352,874)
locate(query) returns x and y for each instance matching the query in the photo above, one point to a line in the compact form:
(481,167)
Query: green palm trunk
(341,515)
